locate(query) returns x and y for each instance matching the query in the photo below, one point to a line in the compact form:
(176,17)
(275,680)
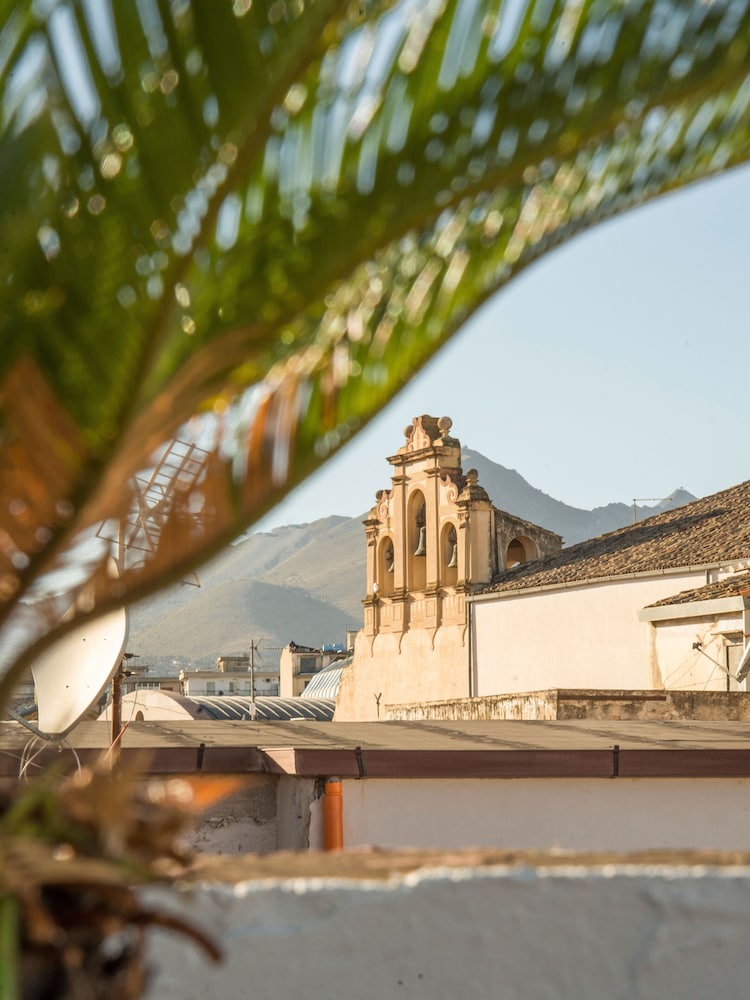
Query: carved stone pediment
(418,439)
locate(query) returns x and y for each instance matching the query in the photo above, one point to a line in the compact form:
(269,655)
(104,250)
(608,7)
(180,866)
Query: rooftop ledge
(380,866)
(393,749)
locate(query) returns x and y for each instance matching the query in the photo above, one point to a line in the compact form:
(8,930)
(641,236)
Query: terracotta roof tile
(713,530)
(733,586)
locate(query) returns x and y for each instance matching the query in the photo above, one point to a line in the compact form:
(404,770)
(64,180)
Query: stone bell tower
(432,538)
(428,537)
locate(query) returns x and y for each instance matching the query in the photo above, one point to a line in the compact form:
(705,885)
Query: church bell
(421,548)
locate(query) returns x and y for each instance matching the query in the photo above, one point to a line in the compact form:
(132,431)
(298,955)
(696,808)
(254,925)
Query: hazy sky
(614,368)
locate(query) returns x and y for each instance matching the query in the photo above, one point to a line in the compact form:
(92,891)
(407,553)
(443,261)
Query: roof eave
(693,609)
(485,595)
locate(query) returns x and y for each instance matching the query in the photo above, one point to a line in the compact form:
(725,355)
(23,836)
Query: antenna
(254,648)
(637,500)
(72,674)
(174,474)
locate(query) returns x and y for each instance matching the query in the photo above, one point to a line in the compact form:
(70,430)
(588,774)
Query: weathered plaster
(269,813)
(579,703)
(581,932)
(244,821)
(417,666)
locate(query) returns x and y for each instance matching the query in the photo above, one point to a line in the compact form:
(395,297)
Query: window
(210,687)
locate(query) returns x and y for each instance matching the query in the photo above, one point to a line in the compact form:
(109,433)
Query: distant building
(139,677)
(24,693)
(233,675)
(298,665)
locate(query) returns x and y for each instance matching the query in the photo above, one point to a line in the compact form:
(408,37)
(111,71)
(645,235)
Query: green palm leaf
(244,226)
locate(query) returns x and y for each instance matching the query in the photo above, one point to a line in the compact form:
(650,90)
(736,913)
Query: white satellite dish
(743,668)
(72,674)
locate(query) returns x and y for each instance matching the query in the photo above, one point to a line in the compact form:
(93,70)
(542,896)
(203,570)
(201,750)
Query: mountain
(305,582)
(510,491)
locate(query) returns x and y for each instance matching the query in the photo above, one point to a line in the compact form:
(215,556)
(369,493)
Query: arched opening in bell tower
(386,565)
(520,550)
(417,542)
(448,555)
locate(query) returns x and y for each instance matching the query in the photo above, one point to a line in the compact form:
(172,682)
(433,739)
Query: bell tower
(432,539)
(428,537)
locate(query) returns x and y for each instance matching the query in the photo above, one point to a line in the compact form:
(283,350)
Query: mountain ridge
(511,492)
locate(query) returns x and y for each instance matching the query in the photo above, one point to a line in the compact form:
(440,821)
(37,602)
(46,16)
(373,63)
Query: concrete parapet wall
(571,929)
(574,703)
(709,706)
(529,705)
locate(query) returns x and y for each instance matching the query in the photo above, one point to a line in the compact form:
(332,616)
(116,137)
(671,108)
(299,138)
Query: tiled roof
(711,531)
(732,586)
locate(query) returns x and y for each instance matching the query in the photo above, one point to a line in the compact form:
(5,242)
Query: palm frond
(246,226)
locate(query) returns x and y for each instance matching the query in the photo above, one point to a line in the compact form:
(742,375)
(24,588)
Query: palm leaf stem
(9,947)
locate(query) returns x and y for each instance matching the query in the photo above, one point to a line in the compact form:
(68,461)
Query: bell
(454,558)
(390,560)
(421,549)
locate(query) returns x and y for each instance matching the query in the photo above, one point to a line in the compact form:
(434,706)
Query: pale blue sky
(614,368)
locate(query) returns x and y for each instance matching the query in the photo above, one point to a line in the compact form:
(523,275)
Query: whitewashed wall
(581,637)
(581,814)
(584,933)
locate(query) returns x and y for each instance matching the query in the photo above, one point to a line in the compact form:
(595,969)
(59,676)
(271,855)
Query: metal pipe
(116,703)
(470,644)
(333,816)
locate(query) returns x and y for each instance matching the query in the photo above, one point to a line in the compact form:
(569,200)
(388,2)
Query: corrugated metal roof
(162,706)
(266,708)
(325,684)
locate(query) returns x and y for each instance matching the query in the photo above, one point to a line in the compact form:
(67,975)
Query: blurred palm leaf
(230,232)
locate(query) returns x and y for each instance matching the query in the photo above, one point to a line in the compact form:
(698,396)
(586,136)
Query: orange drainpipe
(333,823)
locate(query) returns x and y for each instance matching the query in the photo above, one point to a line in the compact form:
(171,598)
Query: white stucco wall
(604,814)
(583,933)
(683,665)
(577,637)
